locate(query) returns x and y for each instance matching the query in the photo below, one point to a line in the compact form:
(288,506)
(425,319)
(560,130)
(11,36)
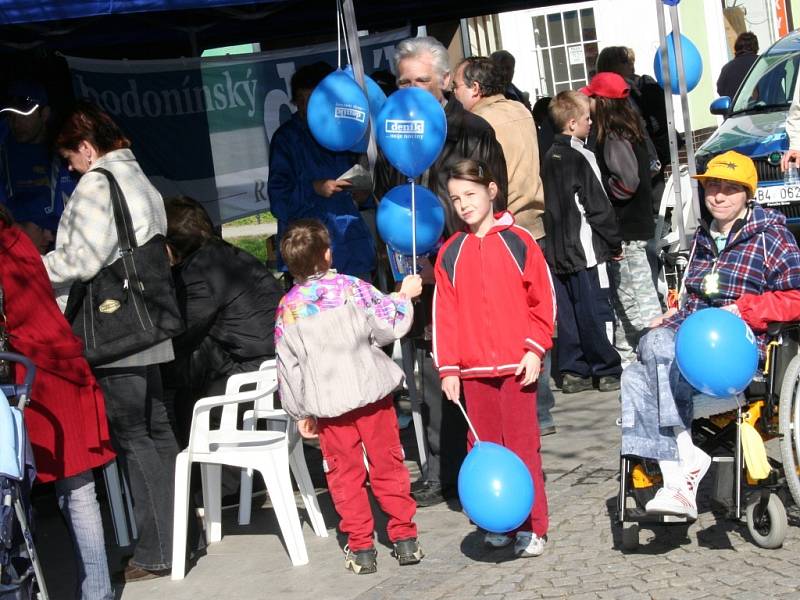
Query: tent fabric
(26,11)
(150,28)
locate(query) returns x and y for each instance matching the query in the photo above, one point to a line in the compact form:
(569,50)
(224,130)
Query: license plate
(778,194)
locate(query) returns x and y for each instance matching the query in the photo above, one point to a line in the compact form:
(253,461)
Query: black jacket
(228,300)
(635,214)
(468,136)
(733,73)
(569,179)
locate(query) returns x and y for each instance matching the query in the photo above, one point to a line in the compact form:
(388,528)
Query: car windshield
(770,84)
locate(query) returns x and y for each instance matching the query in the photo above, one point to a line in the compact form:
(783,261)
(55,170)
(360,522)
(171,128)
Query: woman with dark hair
(86,243)
(625,167)
(66,418)
(228,301)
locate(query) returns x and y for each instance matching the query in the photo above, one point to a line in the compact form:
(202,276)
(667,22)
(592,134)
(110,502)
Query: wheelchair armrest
(776,328)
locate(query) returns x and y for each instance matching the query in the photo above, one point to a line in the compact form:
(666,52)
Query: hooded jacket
(493,303)
(760,256)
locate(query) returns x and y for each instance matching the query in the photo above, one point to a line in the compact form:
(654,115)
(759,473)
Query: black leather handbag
(129,305)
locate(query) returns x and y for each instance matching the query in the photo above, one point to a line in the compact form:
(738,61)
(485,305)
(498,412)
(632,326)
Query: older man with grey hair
(423,62)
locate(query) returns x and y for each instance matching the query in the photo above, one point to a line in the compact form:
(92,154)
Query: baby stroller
(20,571)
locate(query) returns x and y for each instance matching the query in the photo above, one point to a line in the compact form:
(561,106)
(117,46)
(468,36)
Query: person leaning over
(335,380)
(87,242)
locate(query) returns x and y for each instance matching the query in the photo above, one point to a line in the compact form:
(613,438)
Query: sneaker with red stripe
(671,501)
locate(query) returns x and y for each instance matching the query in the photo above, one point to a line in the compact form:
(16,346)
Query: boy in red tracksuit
(493,322)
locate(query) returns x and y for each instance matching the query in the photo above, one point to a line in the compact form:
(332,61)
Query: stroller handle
(23,389)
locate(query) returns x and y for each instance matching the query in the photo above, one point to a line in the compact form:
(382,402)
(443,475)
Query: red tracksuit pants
(503,412)
(341,438)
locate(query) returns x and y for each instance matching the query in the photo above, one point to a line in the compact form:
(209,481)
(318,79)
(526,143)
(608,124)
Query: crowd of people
(549,218)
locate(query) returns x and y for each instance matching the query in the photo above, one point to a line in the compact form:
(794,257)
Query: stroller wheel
(767,525)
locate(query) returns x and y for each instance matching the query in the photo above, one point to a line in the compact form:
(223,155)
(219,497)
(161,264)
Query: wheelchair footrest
(638,515)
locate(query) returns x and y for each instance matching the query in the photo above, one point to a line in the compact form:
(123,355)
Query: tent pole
(673,137)
(349,13)
(687,126)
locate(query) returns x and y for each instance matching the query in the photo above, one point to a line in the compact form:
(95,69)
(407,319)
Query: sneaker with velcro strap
(407,552)
(497,540)
(361,562)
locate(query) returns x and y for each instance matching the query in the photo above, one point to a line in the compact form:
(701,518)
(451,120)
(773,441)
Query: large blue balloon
(495,488)
(716,352)
(692,64)
(377,98)
(338,112)
(411,129)
(394,219)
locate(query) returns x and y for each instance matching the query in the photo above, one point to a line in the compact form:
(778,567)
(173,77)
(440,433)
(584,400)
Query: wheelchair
(770,405)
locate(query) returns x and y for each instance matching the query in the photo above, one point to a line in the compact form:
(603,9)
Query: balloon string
(413,228)
(338,36)
(471,428)
(343,30)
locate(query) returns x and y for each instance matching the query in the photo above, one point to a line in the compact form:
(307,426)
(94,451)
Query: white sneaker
(695,471)
(497,540)
(671,501)
(528,544)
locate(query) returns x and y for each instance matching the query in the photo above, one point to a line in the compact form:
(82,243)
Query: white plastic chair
(278,420)
(264,451)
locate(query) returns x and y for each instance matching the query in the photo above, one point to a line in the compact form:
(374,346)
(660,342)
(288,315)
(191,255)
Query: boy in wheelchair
(745,261)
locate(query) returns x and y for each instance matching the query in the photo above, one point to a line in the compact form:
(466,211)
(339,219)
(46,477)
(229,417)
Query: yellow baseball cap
(732,166)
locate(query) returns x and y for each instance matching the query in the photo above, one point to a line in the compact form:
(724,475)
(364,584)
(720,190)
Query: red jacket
(66,419)
(493,302)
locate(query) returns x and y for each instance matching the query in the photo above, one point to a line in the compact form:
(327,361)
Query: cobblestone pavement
(709,559)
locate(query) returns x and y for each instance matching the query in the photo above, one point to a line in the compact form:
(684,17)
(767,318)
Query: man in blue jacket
(304,183)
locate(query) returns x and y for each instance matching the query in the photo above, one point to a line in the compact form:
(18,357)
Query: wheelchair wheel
(630,529)
(767,526)
(789,426)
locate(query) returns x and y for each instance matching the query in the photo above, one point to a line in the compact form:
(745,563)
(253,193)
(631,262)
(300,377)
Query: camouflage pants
(635,298)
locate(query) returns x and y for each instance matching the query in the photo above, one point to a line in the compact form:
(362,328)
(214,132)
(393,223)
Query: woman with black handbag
(110,270)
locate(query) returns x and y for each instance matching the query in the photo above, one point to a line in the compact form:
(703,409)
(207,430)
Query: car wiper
(760,108)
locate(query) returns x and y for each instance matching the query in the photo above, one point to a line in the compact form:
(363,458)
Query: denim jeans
(545,400)
(141,431)
(78,503)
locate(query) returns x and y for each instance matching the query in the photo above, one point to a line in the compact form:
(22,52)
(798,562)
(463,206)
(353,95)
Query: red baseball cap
(607,85)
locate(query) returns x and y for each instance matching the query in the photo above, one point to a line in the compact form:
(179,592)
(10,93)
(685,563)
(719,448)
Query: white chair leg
(212,501)
(297,462)
(180,516)
(279,485)
(111,476)
(246,481)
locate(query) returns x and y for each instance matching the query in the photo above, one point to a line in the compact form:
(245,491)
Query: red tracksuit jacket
(494,301)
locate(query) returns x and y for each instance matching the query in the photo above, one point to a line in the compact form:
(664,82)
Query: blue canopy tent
(167,28)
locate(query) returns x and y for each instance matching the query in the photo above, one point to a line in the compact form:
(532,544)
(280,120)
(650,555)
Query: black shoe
(407,552)
(429,495)
(547,430)
(361,562)
(608,384)
(572,384)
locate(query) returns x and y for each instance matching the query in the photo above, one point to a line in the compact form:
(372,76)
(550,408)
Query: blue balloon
(376,98)
(671,2)
(716,352)
(495,488)
(338,112)
(394,219)
(411,129)
(692,64)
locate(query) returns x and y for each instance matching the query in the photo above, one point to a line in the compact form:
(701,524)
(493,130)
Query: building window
(567,49)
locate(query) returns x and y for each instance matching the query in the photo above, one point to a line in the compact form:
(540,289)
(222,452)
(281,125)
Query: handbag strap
(122,216)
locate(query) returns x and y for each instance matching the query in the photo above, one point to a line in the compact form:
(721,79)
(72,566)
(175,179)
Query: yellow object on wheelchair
(755,453)
(642,479)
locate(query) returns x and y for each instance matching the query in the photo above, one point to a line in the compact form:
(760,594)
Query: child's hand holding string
(529,368)
(308,428)
(411,286)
